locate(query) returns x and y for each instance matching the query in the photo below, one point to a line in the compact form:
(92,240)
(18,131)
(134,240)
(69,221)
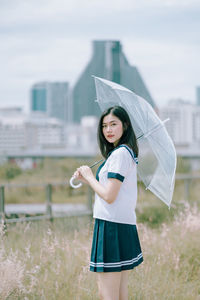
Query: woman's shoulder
(124,152)
(121,150)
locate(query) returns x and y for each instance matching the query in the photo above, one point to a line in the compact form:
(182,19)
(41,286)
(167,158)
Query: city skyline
(52,41)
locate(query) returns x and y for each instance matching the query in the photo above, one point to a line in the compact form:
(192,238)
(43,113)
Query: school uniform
(116,245)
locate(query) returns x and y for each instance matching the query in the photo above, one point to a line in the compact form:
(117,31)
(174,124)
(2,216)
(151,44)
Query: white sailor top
(120,164)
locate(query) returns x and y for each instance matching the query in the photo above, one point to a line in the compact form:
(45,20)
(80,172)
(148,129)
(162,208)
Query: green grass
(41,260)
(60,194)
(47,171)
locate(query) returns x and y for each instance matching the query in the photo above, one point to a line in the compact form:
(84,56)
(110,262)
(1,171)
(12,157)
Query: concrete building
(184,124)
(52,98)
(198,95)
(10,110)
(83,135)
(21,132)
(108,61)
(12,134)
(37,135)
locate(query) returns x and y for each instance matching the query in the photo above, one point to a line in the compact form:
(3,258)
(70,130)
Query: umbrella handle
(75,186)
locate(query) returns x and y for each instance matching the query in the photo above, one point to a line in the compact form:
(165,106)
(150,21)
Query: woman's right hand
(77,175)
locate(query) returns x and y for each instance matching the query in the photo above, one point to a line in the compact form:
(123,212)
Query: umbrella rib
(153,129)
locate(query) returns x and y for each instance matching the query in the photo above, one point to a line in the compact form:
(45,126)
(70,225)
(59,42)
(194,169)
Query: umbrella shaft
(96,163)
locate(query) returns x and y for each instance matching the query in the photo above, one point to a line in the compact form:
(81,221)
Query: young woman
(116,247)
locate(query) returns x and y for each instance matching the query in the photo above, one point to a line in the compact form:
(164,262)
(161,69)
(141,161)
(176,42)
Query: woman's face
(112,129)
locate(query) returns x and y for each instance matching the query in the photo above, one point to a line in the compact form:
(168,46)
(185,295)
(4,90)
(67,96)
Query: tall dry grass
(51,261)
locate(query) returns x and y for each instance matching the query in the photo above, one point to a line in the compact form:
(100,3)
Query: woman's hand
(108,193)
(84,173)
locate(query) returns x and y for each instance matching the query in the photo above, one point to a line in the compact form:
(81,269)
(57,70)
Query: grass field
(44,260)
(51,261)
(61,170)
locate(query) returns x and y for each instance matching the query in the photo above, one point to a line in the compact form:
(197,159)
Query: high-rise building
(39,97)
(108,61)
(184,123)
(198,95)
(52,98)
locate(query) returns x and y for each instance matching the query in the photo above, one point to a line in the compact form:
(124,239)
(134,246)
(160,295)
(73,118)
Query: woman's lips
(110,136)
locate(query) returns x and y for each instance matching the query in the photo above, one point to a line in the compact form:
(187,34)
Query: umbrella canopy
(157,155)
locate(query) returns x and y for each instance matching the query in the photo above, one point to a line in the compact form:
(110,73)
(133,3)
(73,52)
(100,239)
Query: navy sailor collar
(120,146)
(129,150)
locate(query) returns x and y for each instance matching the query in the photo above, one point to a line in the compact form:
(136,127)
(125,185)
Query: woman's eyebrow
(108,122)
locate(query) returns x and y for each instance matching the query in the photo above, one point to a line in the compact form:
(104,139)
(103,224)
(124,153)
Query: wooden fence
(186,178)
(48,203)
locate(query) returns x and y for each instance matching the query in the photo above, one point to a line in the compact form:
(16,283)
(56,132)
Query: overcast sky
(51,40)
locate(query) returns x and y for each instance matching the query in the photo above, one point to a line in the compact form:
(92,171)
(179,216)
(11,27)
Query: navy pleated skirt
(115,247)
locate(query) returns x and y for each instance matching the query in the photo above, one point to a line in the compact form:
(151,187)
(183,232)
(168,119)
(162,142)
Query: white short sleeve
(120,162)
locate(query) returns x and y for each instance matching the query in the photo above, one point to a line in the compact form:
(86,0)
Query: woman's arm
(108,193)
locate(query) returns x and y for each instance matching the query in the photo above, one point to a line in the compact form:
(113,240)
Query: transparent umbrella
(157,155)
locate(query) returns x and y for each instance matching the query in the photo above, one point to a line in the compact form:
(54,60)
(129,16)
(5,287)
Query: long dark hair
(128,137)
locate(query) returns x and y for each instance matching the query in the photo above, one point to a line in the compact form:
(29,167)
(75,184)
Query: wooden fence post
(2,205)
(49,201)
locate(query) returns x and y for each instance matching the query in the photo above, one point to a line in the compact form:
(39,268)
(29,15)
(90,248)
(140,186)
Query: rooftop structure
(108,61)
(10,110)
